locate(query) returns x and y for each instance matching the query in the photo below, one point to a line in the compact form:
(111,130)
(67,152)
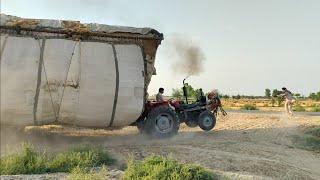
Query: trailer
(90,75)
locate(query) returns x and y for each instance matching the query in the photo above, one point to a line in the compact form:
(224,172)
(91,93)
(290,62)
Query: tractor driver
(159,96)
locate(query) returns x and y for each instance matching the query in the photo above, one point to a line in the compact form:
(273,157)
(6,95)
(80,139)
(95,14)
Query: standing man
(289,100)
(159,96)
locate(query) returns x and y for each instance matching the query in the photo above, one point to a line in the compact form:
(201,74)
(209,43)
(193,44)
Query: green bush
(299,108)
(314,131)
(310,140)
(315,96)
(30,161)
(158,167)
(26,162)
(79,173)
(313,142)
(79,157)
(249,107)
(315,109)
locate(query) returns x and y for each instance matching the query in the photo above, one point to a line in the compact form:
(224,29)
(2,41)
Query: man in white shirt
(159,96)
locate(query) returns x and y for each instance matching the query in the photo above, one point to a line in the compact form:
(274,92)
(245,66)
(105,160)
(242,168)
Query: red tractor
(162,119)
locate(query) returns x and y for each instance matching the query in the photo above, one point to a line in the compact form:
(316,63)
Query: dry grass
(266,104)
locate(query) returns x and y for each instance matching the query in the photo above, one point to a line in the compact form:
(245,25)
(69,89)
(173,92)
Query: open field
(242,145)
(266,104)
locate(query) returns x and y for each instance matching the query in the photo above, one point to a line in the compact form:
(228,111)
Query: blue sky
(249,45)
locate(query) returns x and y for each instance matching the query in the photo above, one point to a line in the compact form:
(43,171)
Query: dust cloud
(189,57)
(56,138)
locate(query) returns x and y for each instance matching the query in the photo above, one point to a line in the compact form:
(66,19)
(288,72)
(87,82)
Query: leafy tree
(238,97)
(298,95)
(177,93)
(276,97)
(226,96)
(280,100)
(275,93)
(267,93)
(192,93)
(315,96)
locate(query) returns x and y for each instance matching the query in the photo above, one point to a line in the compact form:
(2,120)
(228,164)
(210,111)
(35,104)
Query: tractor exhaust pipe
(185,79)
(185,91)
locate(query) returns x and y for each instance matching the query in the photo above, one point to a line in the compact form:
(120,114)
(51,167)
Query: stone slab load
(90,75)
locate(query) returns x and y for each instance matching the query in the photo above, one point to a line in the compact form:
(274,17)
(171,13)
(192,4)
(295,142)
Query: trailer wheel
(162,122)
(206,121)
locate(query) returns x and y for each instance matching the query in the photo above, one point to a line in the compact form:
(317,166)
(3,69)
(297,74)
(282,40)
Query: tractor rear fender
(148,107)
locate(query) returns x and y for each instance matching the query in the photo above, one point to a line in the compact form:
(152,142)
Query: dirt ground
(242,145)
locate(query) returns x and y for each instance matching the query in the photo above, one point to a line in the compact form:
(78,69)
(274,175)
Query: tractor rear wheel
(162,122)
(206,120)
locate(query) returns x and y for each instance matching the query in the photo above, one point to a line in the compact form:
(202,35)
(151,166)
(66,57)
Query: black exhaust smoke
(190,57)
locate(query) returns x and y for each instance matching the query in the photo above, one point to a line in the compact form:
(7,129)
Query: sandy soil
(242,146)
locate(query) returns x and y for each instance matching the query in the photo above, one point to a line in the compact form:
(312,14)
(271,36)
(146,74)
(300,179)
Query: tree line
(314,96)
(272,95)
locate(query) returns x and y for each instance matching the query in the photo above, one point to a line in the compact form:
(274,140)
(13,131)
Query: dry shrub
(249,107)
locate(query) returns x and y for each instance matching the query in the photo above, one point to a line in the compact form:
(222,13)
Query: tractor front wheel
(162,122)
(206,120)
